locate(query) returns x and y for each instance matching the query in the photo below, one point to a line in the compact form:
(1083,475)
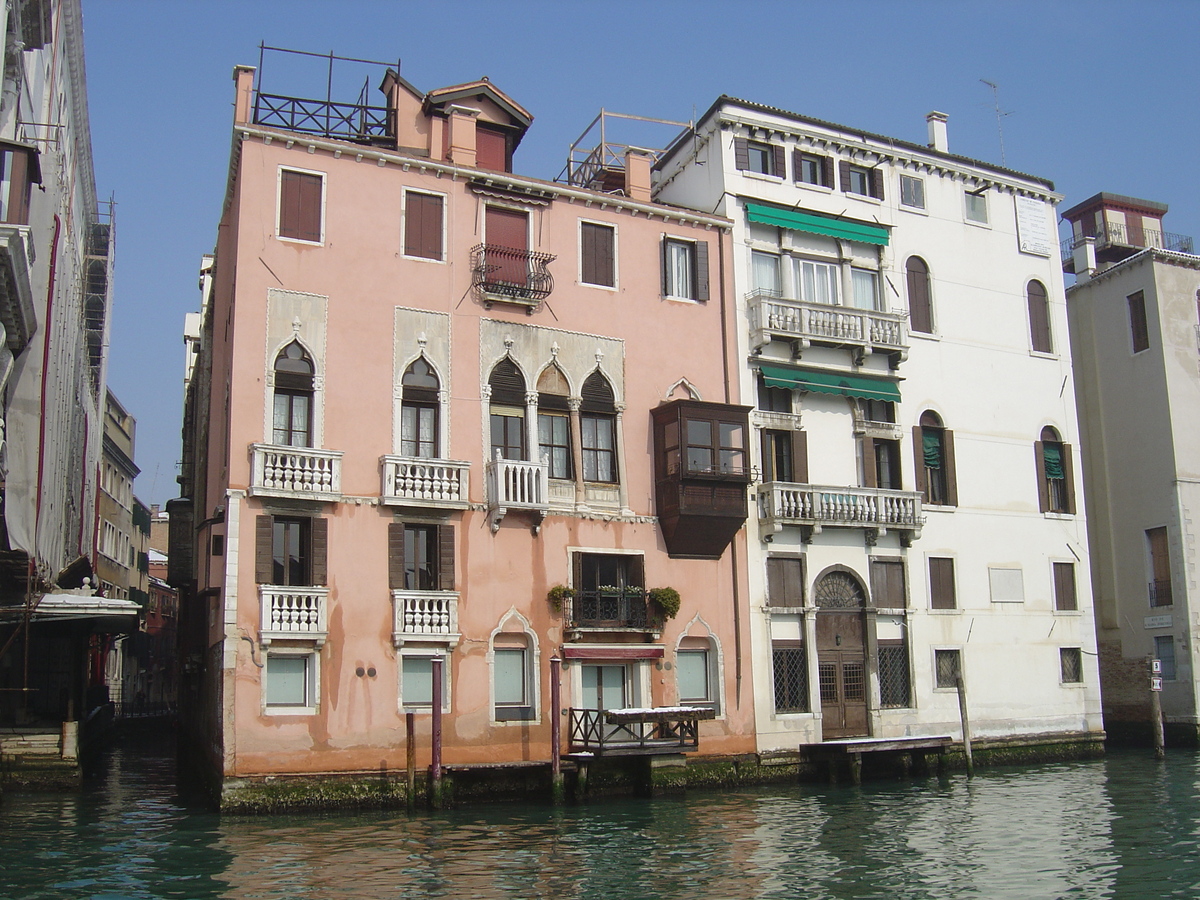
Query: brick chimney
(637,174)
(462,135)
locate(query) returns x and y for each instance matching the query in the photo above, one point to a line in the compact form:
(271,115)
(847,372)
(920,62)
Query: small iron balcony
(508,275)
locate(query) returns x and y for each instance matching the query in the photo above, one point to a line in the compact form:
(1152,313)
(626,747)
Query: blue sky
(1099,95)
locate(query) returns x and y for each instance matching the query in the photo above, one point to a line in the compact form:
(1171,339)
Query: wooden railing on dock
(636,732)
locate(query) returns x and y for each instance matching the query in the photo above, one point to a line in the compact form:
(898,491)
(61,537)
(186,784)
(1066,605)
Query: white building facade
(1135,337)
(919,510)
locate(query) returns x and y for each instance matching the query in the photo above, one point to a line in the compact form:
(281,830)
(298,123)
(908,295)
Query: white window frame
(920,182)
(312,687)
(865,172)
(970,210)
(834,273)
(961,667)
(875,284)
(819,158)
(404,224)
(425,652)
(777,291)
(1071,684)
(279,203)
(616,256)
(672,292)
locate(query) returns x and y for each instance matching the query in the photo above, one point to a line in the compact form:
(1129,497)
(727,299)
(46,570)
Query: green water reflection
(1120,827)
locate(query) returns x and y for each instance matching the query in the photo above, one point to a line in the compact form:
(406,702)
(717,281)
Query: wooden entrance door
(842,656)
(604,688)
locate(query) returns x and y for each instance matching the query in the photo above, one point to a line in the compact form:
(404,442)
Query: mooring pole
(966,723)
(435,766)
(410,737)
(1156,717)
(556,778)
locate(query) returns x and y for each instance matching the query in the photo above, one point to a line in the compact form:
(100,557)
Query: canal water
(1120,827)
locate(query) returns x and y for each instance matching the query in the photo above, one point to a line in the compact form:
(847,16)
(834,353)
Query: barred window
(1071,663)
(791,677)
(893,675)
(947,668)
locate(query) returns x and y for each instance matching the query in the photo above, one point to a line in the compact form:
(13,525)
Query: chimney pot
(937,131)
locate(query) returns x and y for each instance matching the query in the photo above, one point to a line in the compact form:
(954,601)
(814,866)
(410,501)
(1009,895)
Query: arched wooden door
(842,655)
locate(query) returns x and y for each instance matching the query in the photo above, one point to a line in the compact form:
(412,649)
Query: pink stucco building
(427,392)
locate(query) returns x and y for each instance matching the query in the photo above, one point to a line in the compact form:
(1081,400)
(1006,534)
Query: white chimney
(1084,256)
(937,131)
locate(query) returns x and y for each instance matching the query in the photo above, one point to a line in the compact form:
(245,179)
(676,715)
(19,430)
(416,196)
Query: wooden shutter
(1133,229)
(423,226)
(700,289)
(1069,478)
(1064,587)
(887,583)
(635,571)
(797,165)
(779,161)
(319,536)
(664,258)
(1039,317)
(300,205)
(577,571)
(877,183)
(596,249)
(870,475)
(507,228)
(264,550)
(941,583)
(844,175)
(445,534)
(919,307)
(800,456)
(919,462)
(1043,489)
(785,581)
(395,556)
(491,149)
(827,171)
(948,462)
(741,154)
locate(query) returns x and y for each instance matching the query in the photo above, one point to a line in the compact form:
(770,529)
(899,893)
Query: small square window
(1071,663)
(290,681)
(597,254)
(692,669)
(813,169)
(511,684)
(301,196)
(761,158)
(948,668)
(912,192)
(976,209)
(416,681)
(685,269)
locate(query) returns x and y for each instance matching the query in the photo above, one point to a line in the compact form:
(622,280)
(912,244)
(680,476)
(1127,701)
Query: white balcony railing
(781,503)
(296,472)
(415,481)
(514,484)
(825,322)
(425,616)
(294,613)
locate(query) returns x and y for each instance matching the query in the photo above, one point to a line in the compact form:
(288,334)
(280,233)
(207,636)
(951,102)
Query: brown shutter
(767,446)
(827,171)
(395,556)
(320,551)
(919,463)
(1043,489)
(741,154)
(606,255)
(662,252)
(507,228)
(1039,317)
(870,475)
(577,571)
(797,164)
(896,588)
(879,584)
(491,149)
(264,551)
(887,583)
(785,581)
(310,207)
(423,226)
(941,583)
(919,306)
(445,557)
(948,462)
(844,174)
(800,457)
(776,591)
(587,252)
(1064,587)
(877,183)
(636,571)
(701,288)
(780,160)
(1069,475)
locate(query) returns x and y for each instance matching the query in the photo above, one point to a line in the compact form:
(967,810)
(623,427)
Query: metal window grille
(791,679)
(947,665)
(854,681)
(1072,665)
(893,675)
(827,674)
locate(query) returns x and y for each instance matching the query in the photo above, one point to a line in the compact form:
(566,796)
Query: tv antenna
(1000,114)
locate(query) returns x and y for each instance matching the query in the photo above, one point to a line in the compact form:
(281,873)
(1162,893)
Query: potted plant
(558,595)
(664,601)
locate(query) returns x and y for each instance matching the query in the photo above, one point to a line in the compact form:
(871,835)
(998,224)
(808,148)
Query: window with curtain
(598,424)
(507,410)
(1055,488)
(766,274)
(866,288)
(291,421)
(554,423)
(934,459)
(818,282)
(419,410)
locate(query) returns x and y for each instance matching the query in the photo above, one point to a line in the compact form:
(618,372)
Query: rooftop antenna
(1000,114)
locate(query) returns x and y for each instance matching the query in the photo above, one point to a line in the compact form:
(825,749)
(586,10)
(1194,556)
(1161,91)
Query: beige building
(1134,315)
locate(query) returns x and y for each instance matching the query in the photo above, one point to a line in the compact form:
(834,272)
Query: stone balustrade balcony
(420,482)
(516,484)
(425,616)
(804,324)
(297,472)
(294,613)
(817,505)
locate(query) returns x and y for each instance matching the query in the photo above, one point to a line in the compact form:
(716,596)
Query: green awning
(831,383)
(817,224)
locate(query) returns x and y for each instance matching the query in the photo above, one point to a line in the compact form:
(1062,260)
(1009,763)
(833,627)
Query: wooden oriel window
(941,583)
(1039,317)
(420,557)
(920,304)
(597,254)
(423,225)
(300,201)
